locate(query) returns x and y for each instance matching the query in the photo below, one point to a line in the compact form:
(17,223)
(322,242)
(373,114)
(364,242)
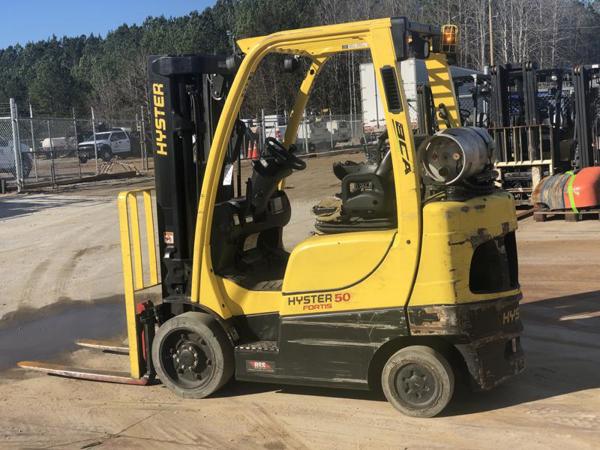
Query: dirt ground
(61,280)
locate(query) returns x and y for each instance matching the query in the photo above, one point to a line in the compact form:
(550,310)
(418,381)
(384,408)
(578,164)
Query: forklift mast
(514,92)
(585,113)
(187,95)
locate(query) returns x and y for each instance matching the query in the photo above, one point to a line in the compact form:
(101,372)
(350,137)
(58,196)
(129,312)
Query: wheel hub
(415,384)
(187,357)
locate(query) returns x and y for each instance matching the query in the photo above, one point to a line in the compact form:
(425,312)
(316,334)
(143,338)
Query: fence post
(143,141)
(331,129)
(52,155)
(34,151)
(76,143)
(305,132)
(264,132)
(95,143)
(14,119)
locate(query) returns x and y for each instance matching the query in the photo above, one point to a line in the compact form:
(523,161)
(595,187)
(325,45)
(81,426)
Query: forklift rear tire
(418,381)
(192,355)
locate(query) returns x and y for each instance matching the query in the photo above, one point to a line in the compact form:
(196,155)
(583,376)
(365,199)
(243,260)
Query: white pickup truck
(7,158)
(108,143)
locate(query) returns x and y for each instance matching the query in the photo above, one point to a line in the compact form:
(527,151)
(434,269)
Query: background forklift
(414,283)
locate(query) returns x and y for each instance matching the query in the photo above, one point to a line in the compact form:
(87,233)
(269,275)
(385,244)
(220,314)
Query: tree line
(59,75)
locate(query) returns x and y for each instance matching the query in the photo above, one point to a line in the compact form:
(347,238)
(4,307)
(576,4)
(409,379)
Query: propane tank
(455,154)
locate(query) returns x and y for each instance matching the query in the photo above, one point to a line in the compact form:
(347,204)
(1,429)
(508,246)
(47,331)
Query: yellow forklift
(413,284)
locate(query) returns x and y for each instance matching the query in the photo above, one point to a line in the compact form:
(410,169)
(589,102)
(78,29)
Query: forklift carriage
(416,283)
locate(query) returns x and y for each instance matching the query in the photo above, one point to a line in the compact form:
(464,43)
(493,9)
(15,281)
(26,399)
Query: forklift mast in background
(587,114)
(526,123)
(187,97)
(514,91)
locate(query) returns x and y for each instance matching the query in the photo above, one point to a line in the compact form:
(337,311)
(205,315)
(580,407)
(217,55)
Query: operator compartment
(246,243)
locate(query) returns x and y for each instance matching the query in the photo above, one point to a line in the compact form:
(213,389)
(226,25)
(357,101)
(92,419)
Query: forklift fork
(141,317)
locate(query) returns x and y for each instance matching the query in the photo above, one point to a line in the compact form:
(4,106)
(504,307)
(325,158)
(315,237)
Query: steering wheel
(283,156)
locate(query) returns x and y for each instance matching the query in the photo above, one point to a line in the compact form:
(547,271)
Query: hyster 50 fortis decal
(160,124)
(311,302)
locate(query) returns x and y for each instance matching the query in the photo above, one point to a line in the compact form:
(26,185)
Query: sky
(33,20)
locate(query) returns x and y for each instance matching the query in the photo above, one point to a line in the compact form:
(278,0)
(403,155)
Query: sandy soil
(59,251)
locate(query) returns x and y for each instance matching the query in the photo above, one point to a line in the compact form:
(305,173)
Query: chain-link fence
(9,154)
(316,134)
(56,150)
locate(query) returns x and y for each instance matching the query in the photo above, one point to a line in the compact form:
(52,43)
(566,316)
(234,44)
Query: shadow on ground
(16,206)
(561,341)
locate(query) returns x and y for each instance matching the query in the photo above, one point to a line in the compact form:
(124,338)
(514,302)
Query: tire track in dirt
(274,434)
(35,275)
(53,275)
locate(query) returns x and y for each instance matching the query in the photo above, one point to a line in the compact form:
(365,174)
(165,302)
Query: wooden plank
(569,216)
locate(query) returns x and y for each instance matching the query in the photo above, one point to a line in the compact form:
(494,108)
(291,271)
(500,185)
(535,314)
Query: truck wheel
(106,154)
(83,159)
(192,355)
(418,381)
(27,166)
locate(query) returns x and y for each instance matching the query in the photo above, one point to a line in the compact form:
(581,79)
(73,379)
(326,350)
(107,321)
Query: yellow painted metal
(128,284)
(133,268)
(401,264)
(349,36)
(291,132)
(332,261)
(442,87)
(421,265)
(243,302)
(150,237)
(136,242)
(450,232)
(321,46)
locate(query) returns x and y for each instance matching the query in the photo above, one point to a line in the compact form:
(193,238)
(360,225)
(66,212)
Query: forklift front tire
(418,381)
(192,355)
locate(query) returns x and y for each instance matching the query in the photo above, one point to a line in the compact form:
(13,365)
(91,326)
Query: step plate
(82,374)
(105,346)
(260,346)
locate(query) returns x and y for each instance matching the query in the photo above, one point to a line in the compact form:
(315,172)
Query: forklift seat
(247,238)
(249,250)
(366,194)
(367,201)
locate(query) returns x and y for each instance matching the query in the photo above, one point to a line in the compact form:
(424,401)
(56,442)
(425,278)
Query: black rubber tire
(437,373)
(105,154)
(217,344)
(83,159)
